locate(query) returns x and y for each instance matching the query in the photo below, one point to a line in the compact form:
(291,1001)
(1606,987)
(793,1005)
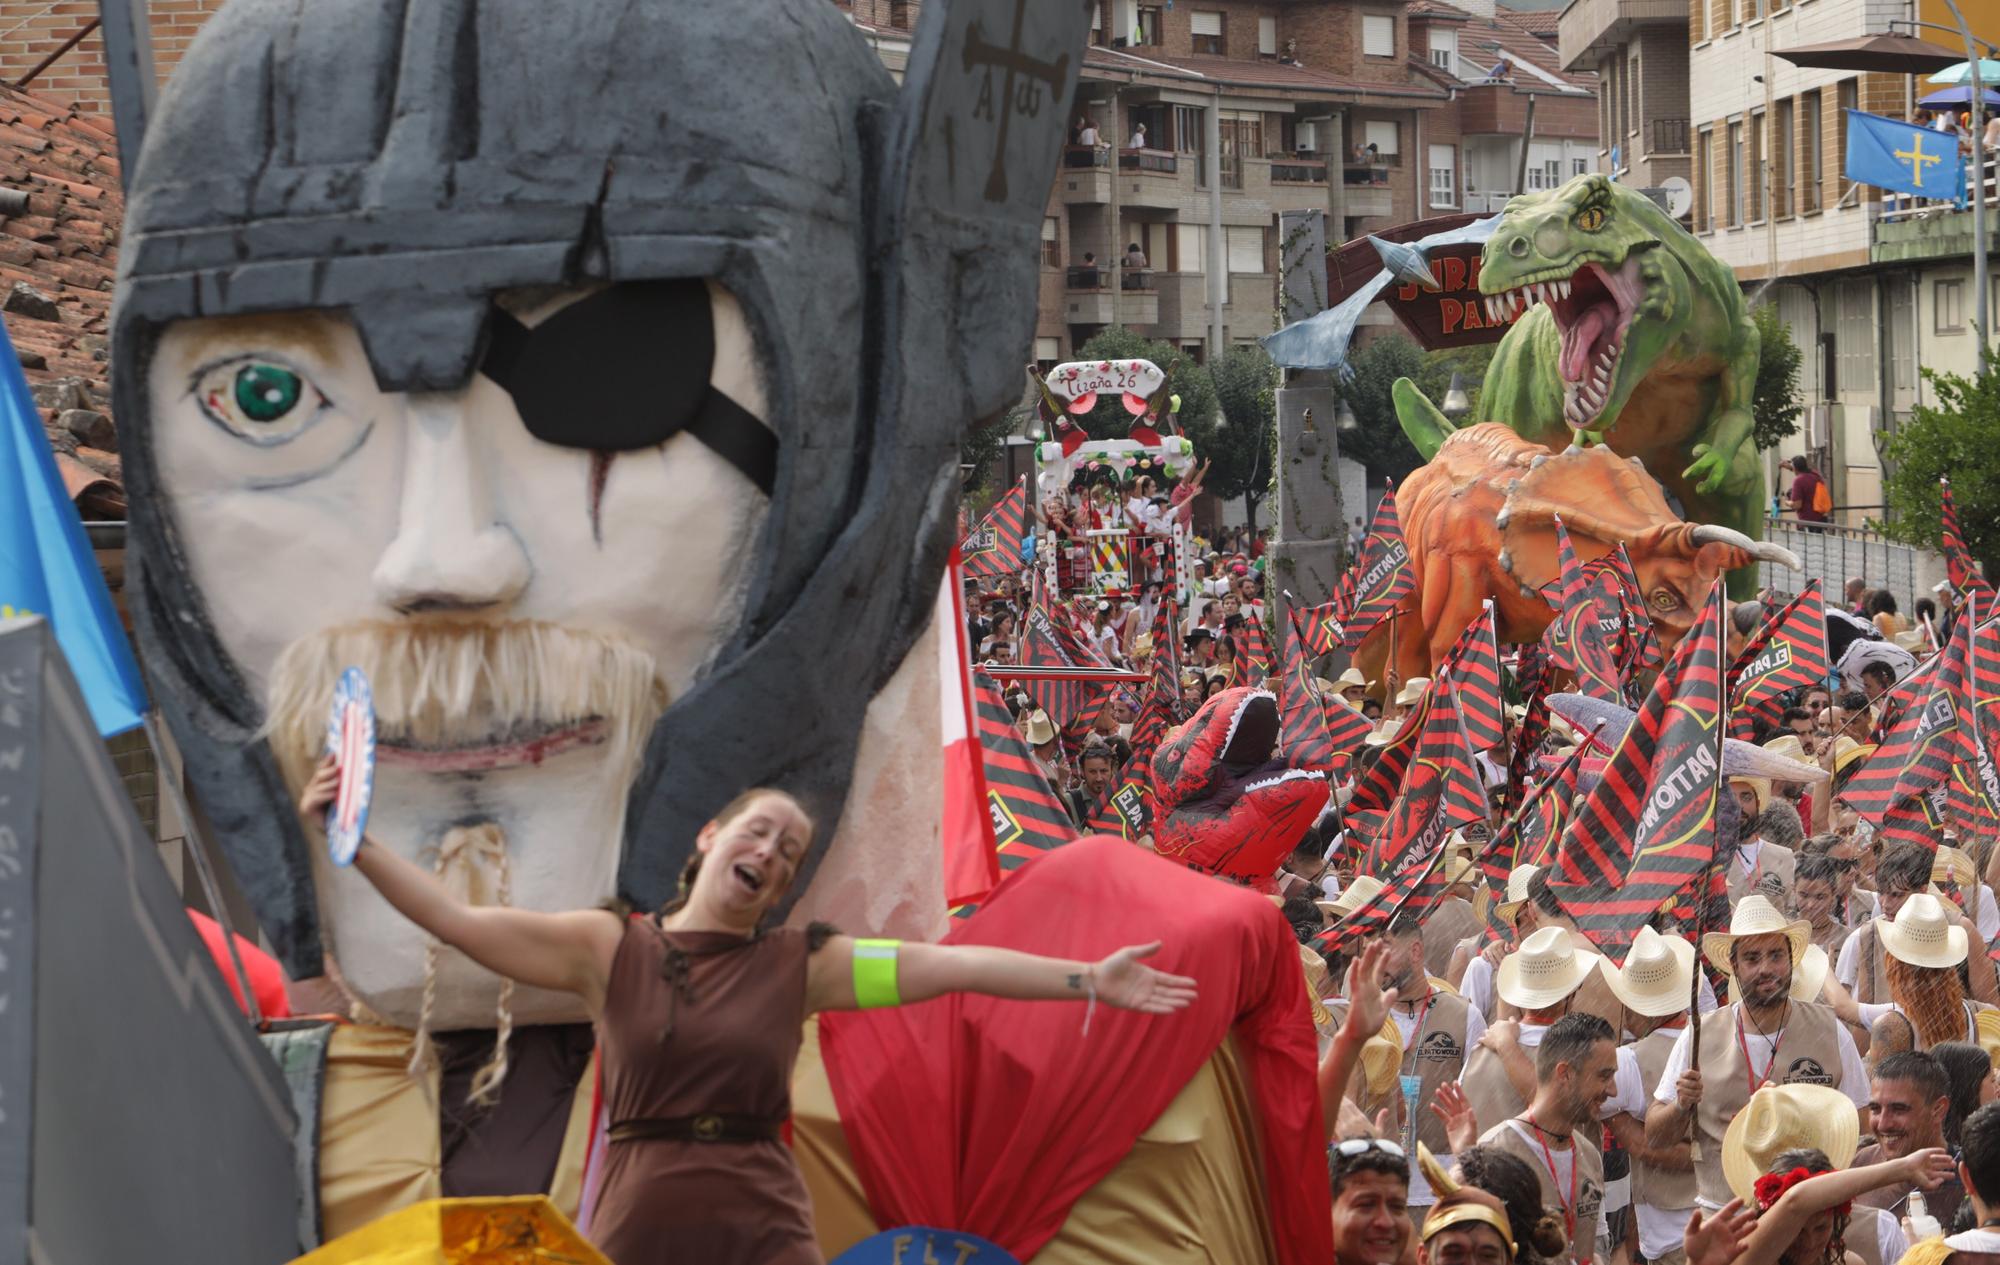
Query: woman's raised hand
(320,790)
(1124,981)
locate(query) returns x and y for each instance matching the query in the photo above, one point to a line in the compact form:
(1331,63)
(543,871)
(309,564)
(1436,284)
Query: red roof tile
(63,244)
(1537,22)
(1250,72)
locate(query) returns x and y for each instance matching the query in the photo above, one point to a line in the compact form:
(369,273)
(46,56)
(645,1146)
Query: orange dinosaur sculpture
(1479,521)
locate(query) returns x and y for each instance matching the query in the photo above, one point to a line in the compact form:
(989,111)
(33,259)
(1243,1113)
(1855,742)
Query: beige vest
(1589,1183)
(1488,1090)
(1772,860)
(1831,939)
(1863,1238)
(1658,1187)
(1449,921)
(1808,1054)
(1871,980)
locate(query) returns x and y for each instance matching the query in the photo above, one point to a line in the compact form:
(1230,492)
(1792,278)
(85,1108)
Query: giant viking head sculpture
(591,375)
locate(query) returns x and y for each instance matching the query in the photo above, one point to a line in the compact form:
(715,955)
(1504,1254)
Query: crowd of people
(1810,1083)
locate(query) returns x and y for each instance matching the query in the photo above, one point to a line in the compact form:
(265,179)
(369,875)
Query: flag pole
(1701,908)
(163,775)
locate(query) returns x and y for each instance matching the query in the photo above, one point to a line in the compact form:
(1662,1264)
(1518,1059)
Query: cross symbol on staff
(1917,158)
(980,51)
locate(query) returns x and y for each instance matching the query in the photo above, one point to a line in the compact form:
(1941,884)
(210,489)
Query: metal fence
(1835,554)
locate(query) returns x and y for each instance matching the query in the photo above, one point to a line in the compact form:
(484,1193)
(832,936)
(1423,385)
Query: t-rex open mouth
(1593,309)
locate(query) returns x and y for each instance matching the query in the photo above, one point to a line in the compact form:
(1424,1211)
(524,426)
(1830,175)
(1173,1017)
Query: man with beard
(1575,1075)
(1438,1029)
(1765,1038)
(1652,987)
(1760,864)
(1097,764)
(1908,1098)
(1538,982)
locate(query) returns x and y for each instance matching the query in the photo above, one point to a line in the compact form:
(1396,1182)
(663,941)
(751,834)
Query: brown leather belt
(710,1126)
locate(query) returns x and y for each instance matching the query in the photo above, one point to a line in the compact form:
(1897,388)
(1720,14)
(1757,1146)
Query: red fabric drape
(267,978)
(994,1116)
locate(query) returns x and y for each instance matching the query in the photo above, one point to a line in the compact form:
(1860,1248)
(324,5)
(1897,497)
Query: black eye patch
(627,368)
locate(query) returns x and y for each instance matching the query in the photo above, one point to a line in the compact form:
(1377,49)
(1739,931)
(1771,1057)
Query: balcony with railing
(1088,298)
(1298,171)
(1667,136)
(1911,229)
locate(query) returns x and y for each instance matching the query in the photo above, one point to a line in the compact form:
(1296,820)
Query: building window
(1190,243)
(1782,142)
(899,14)
(1754,171)
(1147,32)
(1720,16)
(1854,337)
(1809,150)
(1444,191)
(1849,97)
(1048,351)
(1246,249)
(1948,307)
(1704,179)
(1267,37)
(1444,50)
(1097,22)
(1378,35)
(1383,136)
(1752,10)
(1051,242)
(1732,183)
(1206,27)
(1579,166)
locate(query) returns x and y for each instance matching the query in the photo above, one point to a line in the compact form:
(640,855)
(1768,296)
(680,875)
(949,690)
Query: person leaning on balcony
(1135,258)
(1138,140)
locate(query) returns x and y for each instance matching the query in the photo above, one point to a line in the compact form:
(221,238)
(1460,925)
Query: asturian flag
(1892,154)
(46,564)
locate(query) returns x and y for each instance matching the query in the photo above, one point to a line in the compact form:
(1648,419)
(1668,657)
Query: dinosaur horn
(1762,550)
(1434,1173)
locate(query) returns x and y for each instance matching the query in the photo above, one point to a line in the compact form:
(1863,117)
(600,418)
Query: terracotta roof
(1520,46)
(1541,23)
(1251,72)
(58,258)
(1436,9)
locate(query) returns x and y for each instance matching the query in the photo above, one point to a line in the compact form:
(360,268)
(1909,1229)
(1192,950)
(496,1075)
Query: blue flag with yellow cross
(1904,157)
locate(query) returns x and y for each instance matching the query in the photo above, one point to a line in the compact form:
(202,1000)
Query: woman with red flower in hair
(1802,1209)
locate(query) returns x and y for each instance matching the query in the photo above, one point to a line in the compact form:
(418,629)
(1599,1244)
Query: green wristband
(875,974)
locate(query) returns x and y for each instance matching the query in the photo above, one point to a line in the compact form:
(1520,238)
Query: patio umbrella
(1961,95)
(1961,72)
(1895,54)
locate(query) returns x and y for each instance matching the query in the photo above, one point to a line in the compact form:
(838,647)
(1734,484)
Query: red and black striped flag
(1510,848)
(1636,646)
(1127,807)
(1577,640)
(1440,791)
(1548,816)
(1379,582)
(1027,817)
(1973,797)
(1320,627)
(1306,719)
(1411,890)
(1378,787)
(1472,665)
(1254,660)
(1648,828)
(1785,658)
(1902,788)
(994,547)
(1959,563)
(1531,677)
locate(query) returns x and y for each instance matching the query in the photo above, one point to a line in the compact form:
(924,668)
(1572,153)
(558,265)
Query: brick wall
(1329,37)
(27,34)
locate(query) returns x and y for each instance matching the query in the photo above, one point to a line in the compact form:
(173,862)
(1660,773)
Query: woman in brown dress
(699,1013)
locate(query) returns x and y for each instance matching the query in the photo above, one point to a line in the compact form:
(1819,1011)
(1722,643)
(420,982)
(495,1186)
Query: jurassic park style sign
(1452,315)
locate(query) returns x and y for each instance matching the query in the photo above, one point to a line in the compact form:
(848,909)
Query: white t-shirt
(1981,1240)
(1889,1235)
(1138,141)
(1987,915)
(1087,137)
(1847,967)
(1628,1092)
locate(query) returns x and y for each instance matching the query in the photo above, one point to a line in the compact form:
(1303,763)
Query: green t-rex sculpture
(1634,336)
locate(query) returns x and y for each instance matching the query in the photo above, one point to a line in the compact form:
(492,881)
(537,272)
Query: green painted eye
(259,400)
(266,393)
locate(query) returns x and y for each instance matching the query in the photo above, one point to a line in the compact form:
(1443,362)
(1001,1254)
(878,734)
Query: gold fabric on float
(1190,1192)
(521,1230)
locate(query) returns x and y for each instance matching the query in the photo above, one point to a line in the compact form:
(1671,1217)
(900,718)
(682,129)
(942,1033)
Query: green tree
(981,448)
(1190,381)
(1242,441)
(1953,437)
(1379,443)
(1775,405)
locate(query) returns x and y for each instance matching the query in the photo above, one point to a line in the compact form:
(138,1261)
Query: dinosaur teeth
(1563,287)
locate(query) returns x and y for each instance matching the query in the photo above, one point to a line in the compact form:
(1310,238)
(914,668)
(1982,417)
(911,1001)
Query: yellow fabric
(512,1230)
(1926,1252)
(378,1132)
(1189,1193)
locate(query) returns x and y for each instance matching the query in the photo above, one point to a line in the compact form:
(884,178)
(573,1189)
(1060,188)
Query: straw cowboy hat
(1755,916)
(1782,1118)
(1382,1059)
(1039,729)
(1412,692)
(1324,686)
(1517,891)
(1658,976)
(1951,865)
(1986,1026)
(1352,680)
(1352,897)
(1848,752)
(1808,976)
(1922,934)
(1543,971)
(1461,866)
(1761,785)
(1788,746)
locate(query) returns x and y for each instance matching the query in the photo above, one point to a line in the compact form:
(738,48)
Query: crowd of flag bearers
(1675,931)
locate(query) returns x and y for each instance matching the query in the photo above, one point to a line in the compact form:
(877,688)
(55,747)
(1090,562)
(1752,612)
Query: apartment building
(1872,286)
(1639,49)
(1376,111)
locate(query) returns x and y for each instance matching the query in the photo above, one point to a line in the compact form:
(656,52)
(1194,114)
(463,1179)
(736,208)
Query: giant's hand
(320,790)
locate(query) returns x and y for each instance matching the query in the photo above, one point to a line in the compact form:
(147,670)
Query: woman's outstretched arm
(570,951)
(924,971)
